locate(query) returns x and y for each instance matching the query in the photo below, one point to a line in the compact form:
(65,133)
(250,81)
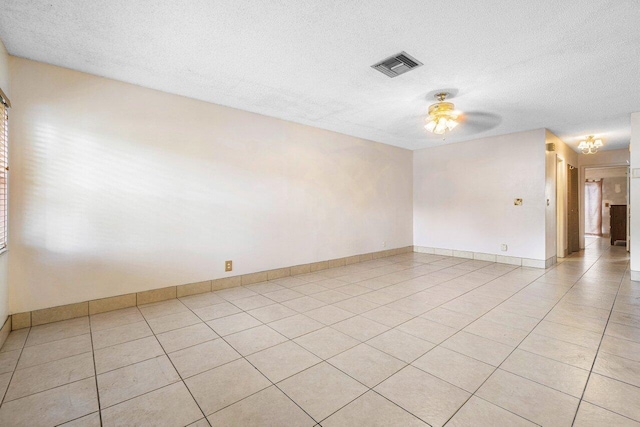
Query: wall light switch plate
(228,265)
(517,202)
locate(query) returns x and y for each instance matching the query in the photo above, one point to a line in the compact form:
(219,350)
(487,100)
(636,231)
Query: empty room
(323,214)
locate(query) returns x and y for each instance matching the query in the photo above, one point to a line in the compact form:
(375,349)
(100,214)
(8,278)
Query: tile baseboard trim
(501,259)
(101,305)
(635,276)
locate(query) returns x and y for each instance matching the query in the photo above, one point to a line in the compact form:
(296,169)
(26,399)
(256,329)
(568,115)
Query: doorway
(561,208)
(573,216)
(593,224)
(606,203)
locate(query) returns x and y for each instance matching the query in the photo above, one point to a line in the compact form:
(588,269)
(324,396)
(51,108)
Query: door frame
(582,174)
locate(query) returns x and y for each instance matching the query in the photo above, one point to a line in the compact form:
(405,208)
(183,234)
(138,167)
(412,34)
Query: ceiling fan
(443,118)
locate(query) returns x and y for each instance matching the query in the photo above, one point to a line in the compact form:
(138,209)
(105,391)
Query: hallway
(413,339)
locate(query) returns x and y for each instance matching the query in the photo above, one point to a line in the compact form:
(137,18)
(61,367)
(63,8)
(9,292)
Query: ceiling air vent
(397,64)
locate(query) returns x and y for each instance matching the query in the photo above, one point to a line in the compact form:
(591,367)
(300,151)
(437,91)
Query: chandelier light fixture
(590,145)
(442,116)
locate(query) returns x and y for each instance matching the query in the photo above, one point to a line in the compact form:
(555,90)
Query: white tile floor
(410,340)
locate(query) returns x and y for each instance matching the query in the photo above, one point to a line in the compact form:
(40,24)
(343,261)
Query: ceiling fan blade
(474,122)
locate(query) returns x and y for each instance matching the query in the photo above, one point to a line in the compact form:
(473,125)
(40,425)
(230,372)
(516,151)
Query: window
(4,167)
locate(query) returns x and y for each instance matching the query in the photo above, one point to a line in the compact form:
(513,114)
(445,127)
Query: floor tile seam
(215,318)
(621,357)
(174,367)
(144,394)
(435,344)
(561,340)
(15,349)
(412,360)
(498,323)
(14,371)
(57,339)
(494,368)
(48,390)
(609,410)
(490,339)
(50,361)
(404,409)
(254,308)
(113,312)
(249,362)
(128,365)
(119,326)
(176,329)
(552,359)
(189,346)
(577,327)
(323,419)
(155,388)
(82,416)
(625,324)
(243,310)
(625,312)
(583,306)
(335,330)
(51,388)
(555,322)
(444,324)
(275,383)
(504,409)
(509,355)
(618,380)
(576,398)
(599,345)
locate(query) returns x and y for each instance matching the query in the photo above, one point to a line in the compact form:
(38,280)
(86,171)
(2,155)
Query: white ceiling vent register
(397,64)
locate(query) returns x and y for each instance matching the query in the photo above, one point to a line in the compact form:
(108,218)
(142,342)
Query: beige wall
(556,192)
(117,188)
(464,195)
(4,285)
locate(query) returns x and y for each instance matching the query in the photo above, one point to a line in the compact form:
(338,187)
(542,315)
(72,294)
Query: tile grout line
(453,265)
(406,364)
(521,341)
(246,360)
(322,360)
(584,389)
(15,368)
(174,367)
(360,314)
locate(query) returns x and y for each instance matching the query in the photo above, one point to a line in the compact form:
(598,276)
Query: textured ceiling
(571,66)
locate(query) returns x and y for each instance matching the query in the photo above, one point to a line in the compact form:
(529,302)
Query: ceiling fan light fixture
(442,116)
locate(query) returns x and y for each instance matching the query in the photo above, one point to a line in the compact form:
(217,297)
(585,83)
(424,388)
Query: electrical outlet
(228,265)
(384,244)
(503,247)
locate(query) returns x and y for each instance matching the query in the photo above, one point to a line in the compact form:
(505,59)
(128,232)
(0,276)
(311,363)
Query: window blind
(4,169)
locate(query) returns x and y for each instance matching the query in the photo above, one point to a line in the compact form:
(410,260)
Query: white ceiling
(572,66)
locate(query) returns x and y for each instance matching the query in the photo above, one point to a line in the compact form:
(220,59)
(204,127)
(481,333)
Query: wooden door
(573,217)
(618,229)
